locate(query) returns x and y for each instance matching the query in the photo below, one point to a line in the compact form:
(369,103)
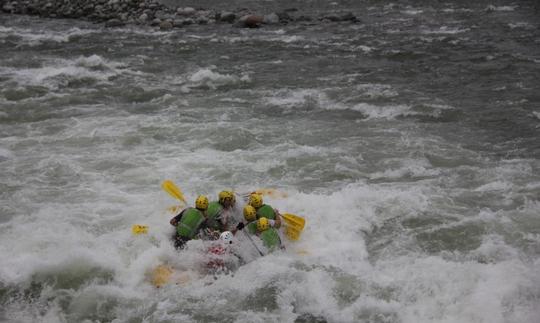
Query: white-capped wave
(445,30)
(209,78)
(407,168)
(291,98)
(33,37)
(383,112)
(521,25)
(5,154)
(56,73)
(375,90)
(500,8)
(494,186)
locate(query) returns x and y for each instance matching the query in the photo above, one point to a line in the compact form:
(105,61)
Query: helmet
(226,237)
(263,224)
(201,202)
(255,200)
(250,214)
(224,195)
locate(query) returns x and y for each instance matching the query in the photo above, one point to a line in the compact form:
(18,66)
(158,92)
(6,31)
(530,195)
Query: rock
(165,25)
(155,22)
(332,17)
(188,11)
(250,21)
(8,8)
(202,20)
(143,17)
(114,23)
(226,16)
(178,23)
(348,16)
(272,18)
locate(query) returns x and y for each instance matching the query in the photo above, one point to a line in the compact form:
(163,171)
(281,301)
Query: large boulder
(250,21)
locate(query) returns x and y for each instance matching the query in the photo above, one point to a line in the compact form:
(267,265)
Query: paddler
(250,215)
(268,235)
(264,210)
(220,212)
(189,222)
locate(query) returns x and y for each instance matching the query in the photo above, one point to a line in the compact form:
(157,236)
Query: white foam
(383,112)
(409,168)
(372,90)
(292,98)
(33,37)
(56,73)
(208,77)
(445,30)
(500,8)
(494,186)
(5,154)
(521,25)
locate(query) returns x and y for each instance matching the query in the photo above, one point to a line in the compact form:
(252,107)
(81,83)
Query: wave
(32,37)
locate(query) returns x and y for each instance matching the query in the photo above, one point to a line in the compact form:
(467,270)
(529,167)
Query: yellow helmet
(255,200)
(201,202)
(250,214)
(263,224)
(224,195)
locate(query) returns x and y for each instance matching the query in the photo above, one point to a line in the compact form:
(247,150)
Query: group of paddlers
(216,220)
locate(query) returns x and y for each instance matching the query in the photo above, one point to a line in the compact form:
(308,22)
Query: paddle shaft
(253,242)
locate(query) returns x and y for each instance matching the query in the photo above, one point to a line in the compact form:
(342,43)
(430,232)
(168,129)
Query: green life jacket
(252,227)
(189,224)
(270,239)
(213,212)
(266,211)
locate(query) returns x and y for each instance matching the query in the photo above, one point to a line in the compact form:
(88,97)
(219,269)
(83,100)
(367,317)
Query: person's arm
(174,221)
(278,219)
(239,226)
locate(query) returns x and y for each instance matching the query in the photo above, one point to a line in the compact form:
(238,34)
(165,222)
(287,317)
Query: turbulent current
(409,141)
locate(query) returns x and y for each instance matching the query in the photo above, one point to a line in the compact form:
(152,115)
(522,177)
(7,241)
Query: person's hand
(240,226)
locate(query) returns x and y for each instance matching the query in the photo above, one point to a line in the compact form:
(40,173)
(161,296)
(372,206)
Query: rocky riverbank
(115,13)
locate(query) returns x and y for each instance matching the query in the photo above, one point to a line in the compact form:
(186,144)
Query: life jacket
(270,239)
(213,212)
(189,224)
(252,227)
(266,211)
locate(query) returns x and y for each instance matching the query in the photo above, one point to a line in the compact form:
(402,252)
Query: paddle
(173,190)
(272,192)
(295,221)
(253,242)
(292,233)
(137,229)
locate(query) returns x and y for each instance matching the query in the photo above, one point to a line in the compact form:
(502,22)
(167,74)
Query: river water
(409,142)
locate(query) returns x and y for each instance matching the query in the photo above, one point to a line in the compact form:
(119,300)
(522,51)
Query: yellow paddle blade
(175,209)
(137,229)
(161,275)
(294,221)
(173,190)
(292,233)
